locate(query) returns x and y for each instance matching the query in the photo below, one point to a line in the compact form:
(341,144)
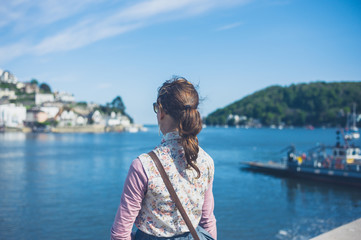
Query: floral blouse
(157,215)
(145,199)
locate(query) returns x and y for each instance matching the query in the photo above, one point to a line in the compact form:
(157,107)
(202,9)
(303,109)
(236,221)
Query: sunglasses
(155,107)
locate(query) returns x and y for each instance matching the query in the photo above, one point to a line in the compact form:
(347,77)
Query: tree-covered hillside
(317,103)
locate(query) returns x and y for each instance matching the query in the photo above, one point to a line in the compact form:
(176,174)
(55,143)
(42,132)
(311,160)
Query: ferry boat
(337,164)
(352,132)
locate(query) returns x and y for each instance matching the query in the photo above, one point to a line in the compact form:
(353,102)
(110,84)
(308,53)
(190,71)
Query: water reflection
(12,136)
(311,207)
(327,191)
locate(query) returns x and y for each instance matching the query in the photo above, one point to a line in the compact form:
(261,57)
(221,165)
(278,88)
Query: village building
(124,121)
(67,118)
(113,120)
(20,85)
(97,117)
(81,120)
(117,119)
(64,97)
(8,94)
(30,88)
(34,116)
(7,77)
(51,111)
(12,115)
(43,98)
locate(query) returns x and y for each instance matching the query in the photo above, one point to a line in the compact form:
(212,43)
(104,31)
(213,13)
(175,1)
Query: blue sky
(98,49)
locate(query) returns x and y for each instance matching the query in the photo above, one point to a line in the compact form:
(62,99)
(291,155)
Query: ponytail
(180,99)
(190,125)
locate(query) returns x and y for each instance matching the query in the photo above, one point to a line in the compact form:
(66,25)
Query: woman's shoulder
(144,158)
(205,157)
(204,153)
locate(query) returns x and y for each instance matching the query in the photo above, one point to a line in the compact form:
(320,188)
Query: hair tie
(186,107)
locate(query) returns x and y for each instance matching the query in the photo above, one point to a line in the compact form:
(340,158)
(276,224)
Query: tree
(44,88)
(34,81)
(117,104)
(316,103)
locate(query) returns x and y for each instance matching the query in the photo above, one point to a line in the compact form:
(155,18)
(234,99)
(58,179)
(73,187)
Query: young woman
(145,200)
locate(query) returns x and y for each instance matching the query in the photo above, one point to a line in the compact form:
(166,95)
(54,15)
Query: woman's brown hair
(179,98)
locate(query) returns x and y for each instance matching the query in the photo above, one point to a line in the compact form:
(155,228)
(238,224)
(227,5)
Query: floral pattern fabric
(158,215)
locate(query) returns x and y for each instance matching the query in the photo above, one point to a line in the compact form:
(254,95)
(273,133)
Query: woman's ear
(161,114)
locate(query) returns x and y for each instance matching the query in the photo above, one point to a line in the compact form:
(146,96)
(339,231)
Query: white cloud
(87,26)
(26,13)
(77,36)
(229,26)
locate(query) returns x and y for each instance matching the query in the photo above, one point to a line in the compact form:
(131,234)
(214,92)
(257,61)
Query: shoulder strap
(173,194)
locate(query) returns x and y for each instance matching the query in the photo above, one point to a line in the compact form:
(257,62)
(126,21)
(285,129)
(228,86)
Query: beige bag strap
(173,194)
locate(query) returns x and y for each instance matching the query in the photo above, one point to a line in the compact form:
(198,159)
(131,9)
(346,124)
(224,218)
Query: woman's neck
(167,124)
(168,130)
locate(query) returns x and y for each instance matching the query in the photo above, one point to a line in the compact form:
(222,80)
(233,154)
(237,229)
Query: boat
(339,164)
(352,132)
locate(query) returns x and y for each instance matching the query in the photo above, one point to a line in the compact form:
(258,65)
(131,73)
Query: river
(68,186)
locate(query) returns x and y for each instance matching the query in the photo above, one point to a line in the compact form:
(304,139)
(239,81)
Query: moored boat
(338,164)
(352,132)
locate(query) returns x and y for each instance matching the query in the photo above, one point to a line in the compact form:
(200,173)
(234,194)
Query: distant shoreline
(77,129)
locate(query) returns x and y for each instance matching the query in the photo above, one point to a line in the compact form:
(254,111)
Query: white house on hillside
(8,77)
(30,88)
(43,97)
(20,85)
(6,93)
(12,115)
(64,97)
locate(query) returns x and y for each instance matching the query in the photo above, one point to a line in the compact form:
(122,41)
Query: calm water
(68,186)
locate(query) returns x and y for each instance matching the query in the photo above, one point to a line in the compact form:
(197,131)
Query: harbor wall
(349,231)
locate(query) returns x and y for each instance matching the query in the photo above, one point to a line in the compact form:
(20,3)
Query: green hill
(317,104)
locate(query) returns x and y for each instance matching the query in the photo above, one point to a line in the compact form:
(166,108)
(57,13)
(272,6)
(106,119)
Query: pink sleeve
(208,220)
(135,187)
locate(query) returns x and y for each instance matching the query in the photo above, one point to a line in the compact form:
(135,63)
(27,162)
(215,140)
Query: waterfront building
(236,119)
(97,117)
(81,120)
(117,119)
(67,118)
(124,121)
(51,111)
(34,116)
(113,120)
(12,115)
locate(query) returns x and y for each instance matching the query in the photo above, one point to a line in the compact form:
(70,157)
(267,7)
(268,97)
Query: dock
(349,231)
